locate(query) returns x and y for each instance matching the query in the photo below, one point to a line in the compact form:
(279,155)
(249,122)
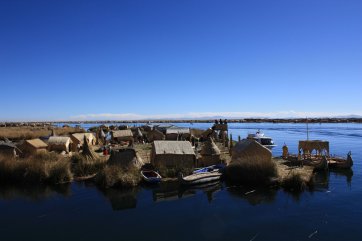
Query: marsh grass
(258,172)
(116,176)
(48,168)
(83,167)
(173,172)
(27,132)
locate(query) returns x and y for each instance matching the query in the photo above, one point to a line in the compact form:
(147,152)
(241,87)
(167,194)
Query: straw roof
(80,136)
(125,157)
(122,133)
(314,145)
(173,147)
(59,140)
(37,143)
(249,151)
(210,148)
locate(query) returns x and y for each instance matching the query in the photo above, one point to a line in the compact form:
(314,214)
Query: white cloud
(205,115)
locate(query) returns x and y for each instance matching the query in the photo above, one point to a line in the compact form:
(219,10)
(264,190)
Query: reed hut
(33,146)
(320,147)
(125,157)
(210,154)
(155,135)
(122,135)
(173,134)
(59,144)
(78,139)
(172,154)
(250,162)
(88,154)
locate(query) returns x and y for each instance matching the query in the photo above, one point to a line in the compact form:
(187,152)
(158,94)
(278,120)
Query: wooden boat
(151,176)
(199,178)
(340,163)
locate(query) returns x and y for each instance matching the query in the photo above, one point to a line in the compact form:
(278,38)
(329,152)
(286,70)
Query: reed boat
(151,176)
(200,178)
(341,163)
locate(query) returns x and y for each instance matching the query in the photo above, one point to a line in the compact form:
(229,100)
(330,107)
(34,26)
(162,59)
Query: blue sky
(63,60)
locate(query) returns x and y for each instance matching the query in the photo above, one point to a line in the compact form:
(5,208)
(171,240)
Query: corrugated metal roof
(173,147)
(177,130)
(122,133)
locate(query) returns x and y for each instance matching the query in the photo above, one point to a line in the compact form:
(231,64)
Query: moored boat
(341,163)
(199,178)
(151,176)
(262,139)
(217,167)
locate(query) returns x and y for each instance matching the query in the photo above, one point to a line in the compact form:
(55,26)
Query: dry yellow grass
(116,176)
(41,168)
(27,132)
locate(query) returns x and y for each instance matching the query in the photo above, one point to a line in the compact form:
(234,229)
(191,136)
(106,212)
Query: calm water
(333,211)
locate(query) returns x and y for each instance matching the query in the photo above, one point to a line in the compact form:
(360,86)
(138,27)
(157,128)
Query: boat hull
(200,178)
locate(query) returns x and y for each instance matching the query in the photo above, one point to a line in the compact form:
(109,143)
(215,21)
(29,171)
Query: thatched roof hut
(59,143)
(33,146)
(122,135)
(173,154)
(250,161)
(155,135)
(314,145)
(125,157)
(210,154)
(177,133)
(78,139)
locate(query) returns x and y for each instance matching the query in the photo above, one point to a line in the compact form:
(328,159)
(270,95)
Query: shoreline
(246,120)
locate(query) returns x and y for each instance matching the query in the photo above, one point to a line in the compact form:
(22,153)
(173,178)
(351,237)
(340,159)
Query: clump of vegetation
(83,167)
(28,132)
(260,171)
(295,182)
(41,168)
(117,176)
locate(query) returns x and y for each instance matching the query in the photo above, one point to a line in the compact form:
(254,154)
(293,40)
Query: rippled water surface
(333,211)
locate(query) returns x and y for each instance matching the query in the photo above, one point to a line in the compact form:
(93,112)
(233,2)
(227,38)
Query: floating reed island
(124,156)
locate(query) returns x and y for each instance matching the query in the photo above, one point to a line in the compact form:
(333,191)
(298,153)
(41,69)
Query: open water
(80,211)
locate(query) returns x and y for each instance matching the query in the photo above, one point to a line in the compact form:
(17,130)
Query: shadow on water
(33,192)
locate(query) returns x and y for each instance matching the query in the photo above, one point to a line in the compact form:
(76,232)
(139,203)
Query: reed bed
(48,168)
(27,132)
(82,167)
(116,176)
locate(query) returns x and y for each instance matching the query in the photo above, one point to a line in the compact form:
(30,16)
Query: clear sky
(138,59)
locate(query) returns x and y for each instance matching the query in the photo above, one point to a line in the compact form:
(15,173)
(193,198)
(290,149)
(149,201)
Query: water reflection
(174,191)
(33,192)
(344,173)
(252,195)
(121,199)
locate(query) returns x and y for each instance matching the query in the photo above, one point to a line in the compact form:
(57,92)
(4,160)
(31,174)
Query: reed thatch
(155,135)
(122,135)
(173,154)
(88,154)
(314,145)
(210,154)
(59,143)
(126,158)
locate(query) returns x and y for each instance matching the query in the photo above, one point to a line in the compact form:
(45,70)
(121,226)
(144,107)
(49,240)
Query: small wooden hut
(59,144)
(122,135)
(155,135)
(173,154)
(33,146)
(210,154)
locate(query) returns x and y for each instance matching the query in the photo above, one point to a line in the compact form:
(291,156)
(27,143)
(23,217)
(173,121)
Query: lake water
(80,211)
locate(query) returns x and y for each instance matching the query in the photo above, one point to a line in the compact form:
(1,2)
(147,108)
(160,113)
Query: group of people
(221,122)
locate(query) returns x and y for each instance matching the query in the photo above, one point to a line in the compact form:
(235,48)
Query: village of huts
(123,156)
